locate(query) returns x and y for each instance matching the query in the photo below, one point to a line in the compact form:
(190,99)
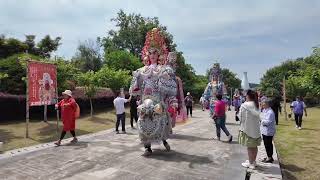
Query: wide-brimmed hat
(67,92)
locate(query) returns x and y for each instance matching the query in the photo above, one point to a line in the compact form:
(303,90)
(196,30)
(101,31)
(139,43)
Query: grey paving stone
(106,155)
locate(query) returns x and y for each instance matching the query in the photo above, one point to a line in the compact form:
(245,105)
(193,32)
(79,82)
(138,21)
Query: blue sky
(247,35)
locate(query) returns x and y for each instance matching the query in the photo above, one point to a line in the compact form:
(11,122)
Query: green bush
(113,79)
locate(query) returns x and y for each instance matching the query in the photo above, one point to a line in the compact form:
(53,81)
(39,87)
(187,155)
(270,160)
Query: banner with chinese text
(42,83)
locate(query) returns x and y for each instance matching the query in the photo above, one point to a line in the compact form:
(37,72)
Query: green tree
(230,79)
(66,75)
(14,67)
(274,76)
(302,74)
(44,48)
(89,81)
(120,59)
(87,57)
(130,36)
(186,73)
(131,32)
(47,45)
(113,79)
(11,46)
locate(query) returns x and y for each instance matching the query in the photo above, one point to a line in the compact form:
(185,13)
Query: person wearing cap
(189,102)
(68,108)
(267,128)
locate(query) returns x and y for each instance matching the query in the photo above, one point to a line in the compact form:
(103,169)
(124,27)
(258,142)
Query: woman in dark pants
(268,129)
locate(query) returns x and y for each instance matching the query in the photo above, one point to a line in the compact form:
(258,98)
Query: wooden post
(27,101)
(284,99)
(45,110)
(57,96)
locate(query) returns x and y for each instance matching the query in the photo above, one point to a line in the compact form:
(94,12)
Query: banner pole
(57,97)
(284,99)
(27,100)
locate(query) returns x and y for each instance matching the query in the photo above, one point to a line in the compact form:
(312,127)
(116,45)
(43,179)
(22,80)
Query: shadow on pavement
(78,145)
(288,169)
(189,138)
(232,124)
(232,142)
(175,156)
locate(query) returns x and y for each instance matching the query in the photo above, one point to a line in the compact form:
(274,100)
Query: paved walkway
(106,155)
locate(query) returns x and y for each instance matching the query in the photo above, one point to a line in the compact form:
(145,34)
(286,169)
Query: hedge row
(13,107)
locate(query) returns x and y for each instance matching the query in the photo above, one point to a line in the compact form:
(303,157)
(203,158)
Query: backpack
(77,112)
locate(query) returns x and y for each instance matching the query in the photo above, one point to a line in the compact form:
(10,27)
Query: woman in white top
(249,134)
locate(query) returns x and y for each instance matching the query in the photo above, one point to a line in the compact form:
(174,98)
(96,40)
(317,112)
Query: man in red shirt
(220,117)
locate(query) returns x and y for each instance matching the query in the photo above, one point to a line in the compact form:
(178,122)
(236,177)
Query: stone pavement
(106,155)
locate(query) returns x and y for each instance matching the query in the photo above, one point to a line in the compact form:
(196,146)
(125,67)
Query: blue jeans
(221,124)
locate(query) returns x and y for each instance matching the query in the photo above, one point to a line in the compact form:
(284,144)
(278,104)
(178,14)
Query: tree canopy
(44,48)
(87,57)
(302,75)
(131,31)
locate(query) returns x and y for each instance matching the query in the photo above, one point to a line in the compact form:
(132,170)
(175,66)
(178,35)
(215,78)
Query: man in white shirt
(118,103)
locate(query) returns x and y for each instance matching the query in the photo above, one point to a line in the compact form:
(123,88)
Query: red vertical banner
(42,83)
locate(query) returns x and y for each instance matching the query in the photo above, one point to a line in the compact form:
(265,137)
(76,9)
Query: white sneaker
(247,164)
(296,126)
(299,128)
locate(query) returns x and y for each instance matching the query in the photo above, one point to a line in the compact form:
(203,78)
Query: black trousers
(267,140)
(63,133)
(276,115)
(189,110)
(122,118)
(133,115)
(298,119)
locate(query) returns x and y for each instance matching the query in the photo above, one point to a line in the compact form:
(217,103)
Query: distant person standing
(189,102)
(267,128)
(276,107)
(202,102)
(118,103)
(298,107)
(68,108)
(133,110)
(236,104)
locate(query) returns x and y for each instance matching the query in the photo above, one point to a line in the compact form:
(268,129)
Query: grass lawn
(299,150)
(13,133)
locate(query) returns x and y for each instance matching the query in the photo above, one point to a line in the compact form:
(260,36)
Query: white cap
(67,92)
(188,93)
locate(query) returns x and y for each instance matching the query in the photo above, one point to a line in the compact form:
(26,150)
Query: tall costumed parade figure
(156,84)
(214,87)
(176,105)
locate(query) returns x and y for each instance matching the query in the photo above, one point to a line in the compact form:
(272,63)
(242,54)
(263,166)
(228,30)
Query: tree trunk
(91,106)
(45,116)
